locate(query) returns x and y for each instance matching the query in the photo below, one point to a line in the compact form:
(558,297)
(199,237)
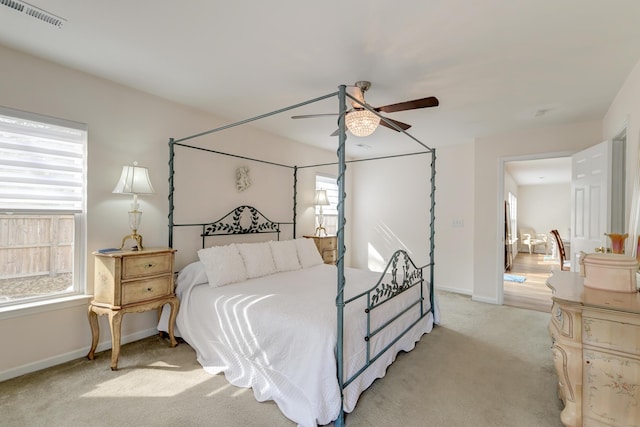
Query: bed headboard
(242,220)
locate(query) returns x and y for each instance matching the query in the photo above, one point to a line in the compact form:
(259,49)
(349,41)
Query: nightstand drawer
(329,244)
(146,265)
(330,257)
(144,290)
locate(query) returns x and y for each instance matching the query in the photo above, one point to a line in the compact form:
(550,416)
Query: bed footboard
(399,276)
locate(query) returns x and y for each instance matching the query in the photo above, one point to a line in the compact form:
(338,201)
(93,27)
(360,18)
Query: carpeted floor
(485,365)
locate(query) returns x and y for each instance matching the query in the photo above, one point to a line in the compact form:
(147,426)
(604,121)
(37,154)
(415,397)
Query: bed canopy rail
(412,276)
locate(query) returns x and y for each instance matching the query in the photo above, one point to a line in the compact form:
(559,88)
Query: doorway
(539,186)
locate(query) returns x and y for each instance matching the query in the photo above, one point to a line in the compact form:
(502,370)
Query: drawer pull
(148,289)
(148,265)
(588,362)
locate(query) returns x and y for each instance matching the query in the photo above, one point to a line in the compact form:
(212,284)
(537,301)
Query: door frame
(500,209)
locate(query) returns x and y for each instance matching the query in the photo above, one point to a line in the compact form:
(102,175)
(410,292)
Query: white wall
(510,185)
(455,218)
(544,208)
(392,210)
(127,125)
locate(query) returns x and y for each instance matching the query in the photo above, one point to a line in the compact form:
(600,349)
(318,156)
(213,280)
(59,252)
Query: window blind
(42,163)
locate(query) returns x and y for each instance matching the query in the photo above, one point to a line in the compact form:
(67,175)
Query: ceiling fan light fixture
(362,122)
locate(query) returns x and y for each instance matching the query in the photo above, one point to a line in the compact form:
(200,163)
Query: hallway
(533,293)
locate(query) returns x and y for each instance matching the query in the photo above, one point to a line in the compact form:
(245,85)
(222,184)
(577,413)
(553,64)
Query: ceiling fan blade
(359,95)
(309,116)
(431,101)
(401,125)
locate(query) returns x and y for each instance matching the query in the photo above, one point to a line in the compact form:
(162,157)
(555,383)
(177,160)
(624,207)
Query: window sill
(36,307)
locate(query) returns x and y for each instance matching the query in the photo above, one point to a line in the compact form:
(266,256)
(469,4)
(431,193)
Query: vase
(617,242)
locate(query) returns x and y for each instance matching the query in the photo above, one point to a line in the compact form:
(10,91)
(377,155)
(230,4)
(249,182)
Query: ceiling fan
(362,122)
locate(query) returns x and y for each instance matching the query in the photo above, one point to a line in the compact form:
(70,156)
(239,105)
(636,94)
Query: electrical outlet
(457,222)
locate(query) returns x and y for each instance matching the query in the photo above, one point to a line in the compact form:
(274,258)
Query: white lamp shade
(321,198)
(362,122)
(134,180)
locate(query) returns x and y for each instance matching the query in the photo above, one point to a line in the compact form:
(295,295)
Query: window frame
(77,294)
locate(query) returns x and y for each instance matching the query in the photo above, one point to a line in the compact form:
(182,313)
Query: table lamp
(321,200)
(134,180)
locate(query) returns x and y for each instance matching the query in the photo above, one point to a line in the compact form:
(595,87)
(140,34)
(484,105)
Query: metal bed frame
(402,271)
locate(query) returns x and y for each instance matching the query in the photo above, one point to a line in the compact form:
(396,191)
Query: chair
(565,264)
(532,239)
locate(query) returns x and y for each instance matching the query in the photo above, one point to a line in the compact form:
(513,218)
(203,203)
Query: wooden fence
(35,245)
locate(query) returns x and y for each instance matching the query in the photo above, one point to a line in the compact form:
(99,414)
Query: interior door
(590,200)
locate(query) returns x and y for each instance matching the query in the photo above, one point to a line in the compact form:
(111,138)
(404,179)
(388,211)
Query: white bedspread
(277,335)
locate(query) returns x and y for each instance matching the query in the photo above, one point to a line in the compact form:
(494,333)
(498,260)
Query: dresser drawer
(562,320)
(611,383)
(613,335)
(144,290)
(146,265)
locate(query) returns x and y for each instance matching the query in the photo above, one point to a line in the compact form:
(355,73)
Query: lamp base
(319,231)
(133,236)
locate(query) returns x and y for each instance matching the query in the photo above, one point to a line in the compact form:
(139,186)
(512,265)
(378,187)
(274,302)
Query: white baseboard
(484,299)
(467,292)
(454,290)
(66,357)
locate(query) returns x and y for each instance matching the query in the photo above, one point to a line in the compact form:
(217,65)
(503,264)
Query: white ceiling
(495,65)
(540,171)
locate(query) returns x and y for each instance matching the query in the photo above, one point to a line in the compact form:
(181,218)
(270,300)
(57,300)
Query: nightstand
(131,282)
(327,246)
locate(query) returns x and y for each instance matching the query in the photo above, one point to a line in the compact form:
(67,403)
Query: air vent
(34,12)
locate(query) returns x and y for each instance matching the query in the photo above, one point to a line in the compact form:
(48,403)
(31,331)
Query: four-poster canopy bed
(263,312)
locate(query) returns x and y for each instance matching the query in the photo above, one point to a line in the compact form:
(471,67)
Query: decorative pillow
(285,255)
(223,265)
(257,259)
(192,274)
(308,253)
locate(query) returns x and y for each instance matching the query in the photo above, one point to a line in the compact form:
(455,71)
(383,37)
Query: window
(330,185)
(42,206)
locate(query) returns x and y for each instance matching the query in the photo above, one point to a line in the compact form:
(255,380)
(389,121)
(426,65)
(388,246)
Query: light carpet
(484,365)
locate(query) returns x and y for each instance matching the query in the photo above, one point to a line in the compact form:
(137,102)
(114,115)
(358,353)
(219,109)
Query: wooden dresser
(596,351)
(327,246)
(130,282)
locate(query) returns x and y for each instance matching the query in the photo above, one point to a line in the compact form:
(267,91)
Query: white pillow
(223,265)
(308,253)
(285,255)
(192,274)
(257,259)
